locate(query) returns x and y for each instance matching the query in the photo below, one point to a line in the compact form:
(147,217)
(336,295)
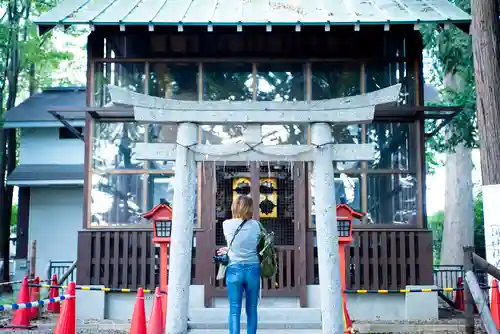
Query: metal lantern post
(345,219)
(161,217)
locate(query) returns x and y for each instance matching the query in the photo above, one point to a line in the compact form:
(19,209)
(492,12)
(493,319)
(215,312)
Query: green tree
(13,218)
(22,51)
(436,222)
(451,51)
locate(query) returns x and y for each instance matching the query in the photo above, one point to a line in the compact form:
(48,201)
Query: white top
(244,247)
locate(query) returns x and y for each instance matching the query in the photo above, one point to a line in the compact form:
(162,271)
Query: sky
(435,184)
(435,194)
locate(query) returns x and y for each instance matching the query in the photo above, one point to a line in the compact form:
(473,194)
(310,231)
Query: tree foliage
(451,52)
(436,222)
(13,218)
(22,52)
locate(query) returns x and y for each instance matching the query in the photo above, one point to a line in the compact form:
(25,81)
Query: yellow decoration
(270,199)
(238,182)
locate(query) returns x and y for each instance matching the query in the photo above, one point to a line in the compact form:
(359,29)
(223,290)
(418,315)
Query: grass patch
(7,299)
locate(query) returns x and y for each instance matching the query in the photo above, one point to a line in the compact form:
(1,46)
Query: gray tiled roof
(50,172)
(36,107)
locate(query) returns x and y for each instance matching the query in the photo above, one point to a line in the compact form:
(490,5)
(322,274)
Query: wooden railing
(284,282)
(383,258)
(119,259)
(378,258)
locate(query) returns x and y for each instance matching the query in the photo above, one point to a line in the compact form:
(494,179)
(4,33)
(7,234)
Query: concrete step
(311,315)
(271,325)
(269,318)
(260,331)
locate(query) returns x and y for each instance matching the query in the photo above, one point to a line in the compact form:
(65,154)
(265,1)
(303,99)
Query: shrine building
(158,66)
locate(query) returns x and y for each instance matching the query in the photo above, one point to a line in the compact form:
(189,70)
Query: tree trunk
(4,137)
(458,227)
(485,44)
(5,225)
(8,140)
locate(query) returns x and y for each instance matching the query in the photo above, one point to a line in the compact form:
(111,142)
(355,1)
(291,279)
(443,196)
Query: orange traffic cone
(459,295)
(347,319)
(54,307)
(495,301)
(155,325)
(35,295)
(21,317)
(138,325)
(164,308)
(67,320)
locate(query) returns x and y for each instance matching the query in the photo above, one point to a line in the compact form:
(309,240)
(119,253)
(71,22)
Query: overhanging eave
(209,13)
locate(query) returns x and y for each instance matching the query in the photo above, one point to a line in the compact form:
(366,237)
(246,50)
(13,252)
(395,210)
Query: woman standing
(243,271)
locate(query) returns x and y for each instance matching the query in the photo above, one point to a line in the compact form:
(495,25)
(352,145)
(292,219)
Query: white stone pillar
(326,231)
(181,247)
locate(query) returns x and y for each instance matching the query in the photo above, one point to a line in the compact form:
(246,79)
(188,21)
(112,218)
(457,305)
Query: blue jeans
(241,277)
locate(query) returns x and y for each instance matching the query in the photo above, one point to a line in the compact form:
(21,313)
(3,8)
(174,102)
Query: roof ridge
(72,88)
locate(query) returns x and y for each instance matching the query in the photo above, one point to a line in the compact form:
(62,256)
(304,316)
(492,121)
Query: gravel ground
(450,322)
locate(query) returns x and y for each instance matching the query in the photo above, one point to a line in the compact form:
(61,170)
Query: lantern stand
(161,217)
(345,219)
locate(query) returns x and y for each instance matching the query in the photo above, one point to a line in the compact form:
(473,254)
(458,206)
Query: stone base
(422,306)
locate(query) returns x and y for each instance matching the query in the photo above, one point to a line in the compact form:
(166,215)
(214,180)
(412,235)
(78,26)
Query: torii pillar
(181,247)
(326,230)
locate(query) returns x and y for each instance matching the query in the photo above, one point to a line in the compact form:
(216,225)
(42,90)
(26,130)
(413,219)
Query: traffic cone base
(347,319)
(459,295)
(34,296)
(67,320)
(495,303)
(155,325)
(459,299)
(21,319)
(138,324)
(53,293)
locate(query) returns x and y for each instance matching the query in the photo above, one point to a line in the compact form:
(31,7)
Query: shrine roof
(250,12)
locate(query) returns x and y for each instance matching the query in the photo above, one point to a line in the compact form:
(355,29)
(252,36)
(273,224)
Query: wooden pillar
(326,227)
(23,221)
(181,247)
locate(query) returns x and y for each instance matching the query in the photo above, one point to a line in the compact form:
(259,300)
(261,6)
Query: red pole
(342,245)
(164,275)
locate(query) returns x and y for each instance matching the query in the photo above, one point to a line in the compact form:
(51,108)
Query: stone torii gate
(187,151)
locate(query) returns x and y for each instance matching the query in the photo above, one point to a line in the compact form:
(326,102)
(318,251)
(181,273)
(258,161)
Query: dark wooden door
(281,208)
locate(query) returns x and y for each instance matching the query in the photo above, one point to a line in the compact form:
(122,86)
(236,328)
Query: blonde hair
(242,207)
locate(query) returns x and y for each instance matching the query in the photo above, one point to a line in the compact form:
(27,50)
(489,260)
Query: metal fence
(446,276)
(60,268)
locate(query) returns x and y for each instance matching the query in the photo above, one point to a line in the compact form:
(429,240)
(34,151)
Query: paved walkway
(363,328)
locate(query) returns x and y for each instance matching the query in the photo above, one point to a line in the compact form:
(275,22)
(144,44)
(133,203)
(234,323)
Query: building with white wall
(50,177)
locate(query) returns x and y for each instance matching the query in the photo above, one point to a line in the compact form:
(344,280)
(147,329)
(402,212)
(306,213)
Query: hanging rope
(253,148)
